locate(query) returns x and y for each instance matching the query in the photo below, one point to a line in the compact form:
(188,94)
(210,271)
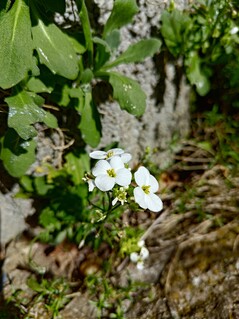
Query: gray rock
(12,217)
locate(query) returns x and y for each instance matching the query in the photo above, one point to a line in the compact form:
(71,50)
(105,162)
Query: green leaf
(54,48)
(122,13)
(77,166)
(23,112)
(17,155)
(128,93)
(36,85)
(137,52)
(90,122)
(196,75)
(174,30)
(16,44)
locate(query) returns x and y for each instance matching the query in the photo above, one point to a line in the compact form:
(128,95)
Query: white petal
(114,201)
(134,257)
(142,176)
(123,177)
(153,183)
(91,185)
(116,162)
(140,265)
(116,151)
(98,154)
(144,253)
(105,182)
(139,196)
(100,168)
(153,202)
(141,243)
(126,157)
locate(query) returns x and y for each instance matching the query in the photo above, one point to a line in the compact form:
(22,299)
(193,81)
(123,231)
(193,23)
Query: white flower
(106,155)
(109,173)
(144,193)
(234,30)
(140,257)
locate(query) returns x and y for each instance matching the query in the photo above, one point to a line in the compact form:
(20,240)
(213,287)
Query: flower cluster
(112,173)
(139,257)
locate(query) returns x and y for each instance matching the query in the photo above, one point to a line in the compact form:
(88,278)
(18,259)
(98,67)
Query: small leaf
(90,122)
(54,48)
(128,93)
(17,155)
(137,52)
(196,75)
(23,112)
(16,44)
(36,85)
(122,13)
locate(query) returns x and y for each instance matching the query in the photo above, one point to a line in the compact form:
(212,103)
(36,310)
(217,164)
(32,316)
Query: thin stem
(84,17)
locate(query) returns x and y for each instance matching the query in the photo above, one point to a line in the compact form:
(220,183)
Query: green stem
(84,17)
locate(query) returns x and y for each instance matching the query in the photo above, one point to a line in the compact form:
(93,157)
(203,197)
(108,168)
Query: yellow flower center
(111,172)
(146,189)
(109,154)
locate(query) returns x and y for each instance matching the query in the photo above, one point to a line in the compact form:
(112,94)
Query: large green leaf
(137,52)
(23,112)
(54,48)
(122,13)
(90,122)
(17,155)
(128,93)
(15,44)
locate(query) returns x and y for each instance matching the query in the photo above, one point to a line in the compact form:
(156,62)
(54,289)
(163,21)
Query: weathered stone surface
(12,217)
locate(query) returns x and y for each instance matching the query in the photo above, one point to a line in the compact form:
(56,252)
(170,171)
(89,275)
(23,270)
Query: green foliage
(43,63)
(205,36)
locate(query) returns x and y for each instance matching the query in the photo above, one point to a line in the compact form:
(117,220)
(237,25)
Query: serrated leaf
(90,122)
(77,166)
(122,13)
(23,112)
(17,155)
(54,48)
(128,93)
(137,52)
(16,44)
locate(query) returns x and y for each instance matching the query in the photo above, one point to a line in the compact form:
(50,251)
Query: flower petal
(105,182)
(140,265)
(116,163)
(134,257)
(142,176)
(98,154)
(126,157)
(116,151)
(153,183)
(144,253)
(153,203)
(100,168)
(123,177)
(139,196)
